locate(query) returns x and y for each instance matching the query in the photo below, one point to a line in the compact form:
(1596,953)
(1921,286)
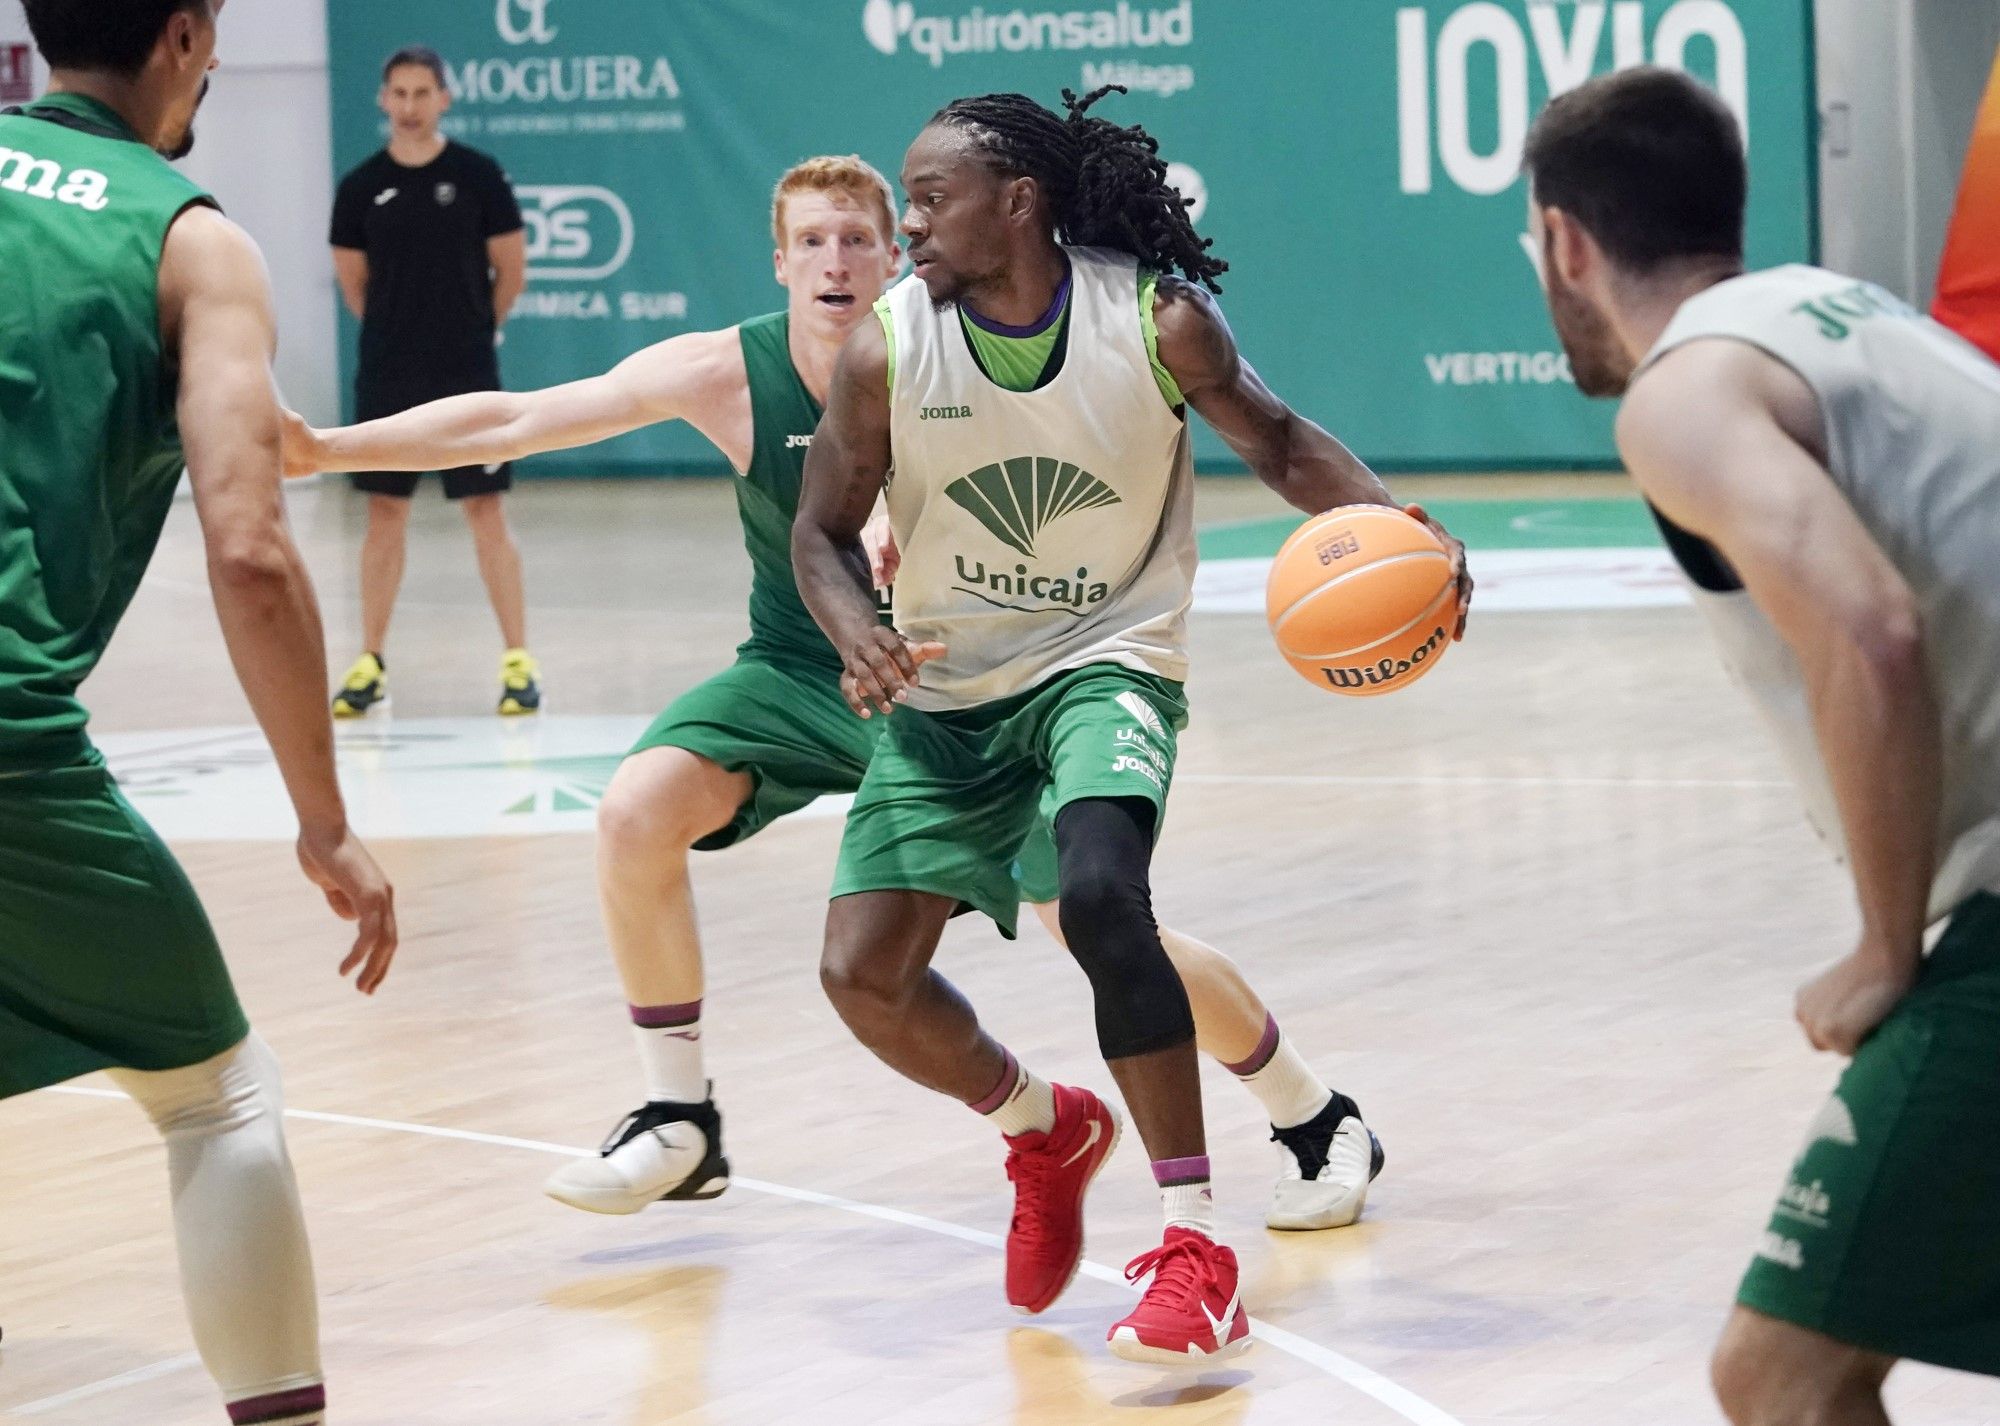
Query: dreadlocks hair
(1105,183)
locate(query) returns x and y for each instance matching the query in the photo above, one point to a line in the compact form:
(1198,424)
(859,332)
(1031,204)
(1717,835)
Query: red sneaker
(1190,1314)
(1051,1172)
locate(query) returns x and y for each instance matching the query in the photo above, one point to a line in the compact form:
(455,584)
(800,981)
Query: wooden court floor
(1542,915)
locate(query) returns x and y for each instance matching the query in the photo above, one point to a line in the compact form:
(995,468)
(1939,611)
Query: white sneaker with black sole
(661,1152)
(1325,1166)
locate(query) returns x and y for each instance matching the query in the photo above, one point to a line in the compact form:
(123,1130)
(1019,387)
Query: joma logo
(1838,312)
(44,178)
(944,413)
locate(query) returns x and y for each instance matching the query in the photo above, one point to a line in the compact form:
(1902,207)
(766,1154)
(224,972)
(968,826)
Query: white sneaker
(662,1151)
(1325,1166)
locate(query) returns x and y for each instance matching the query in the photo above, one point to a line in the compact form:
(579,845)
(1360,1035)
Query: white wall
(1900,81)
(1863,140)
(264,147)
(14,30)
(1954,42)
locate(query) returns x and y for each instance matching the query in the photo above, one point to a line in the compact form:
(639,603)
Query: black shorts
(372,402)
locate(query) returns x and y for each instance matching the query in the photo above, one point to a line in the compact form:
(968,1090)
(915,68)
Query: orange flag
(1968,291)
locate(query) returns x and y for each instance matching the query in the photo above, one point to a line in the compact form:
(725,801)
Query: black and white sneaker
(661,1152)
(1325,1166)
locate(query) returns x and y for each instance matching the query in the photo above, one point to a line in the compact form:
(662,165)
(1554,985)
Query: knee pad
(246,1269)
(215,1096)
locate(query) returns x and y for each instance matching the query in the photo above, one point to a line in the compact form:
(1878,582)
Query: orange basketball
(1361,600)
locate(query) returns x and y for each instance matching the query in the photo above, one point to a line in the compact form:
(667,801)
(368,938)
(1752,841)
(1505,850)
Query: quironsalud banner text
(1357,162)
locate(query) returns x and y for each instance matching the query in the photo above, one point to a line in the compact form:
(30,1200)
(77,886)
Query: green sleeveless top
(783,415)
(89,449)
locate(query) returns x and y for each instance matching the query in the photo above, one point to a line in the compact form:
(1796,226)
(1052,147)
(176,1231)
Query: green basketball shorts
(951,798)
(1887,1233)
(106,957)
(787,727)
(1037,877)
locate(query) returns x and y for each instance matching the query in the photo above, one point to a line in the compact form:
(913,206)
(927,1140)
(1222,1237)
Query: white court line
(1304,779)
(111,1383)
(1403,1402)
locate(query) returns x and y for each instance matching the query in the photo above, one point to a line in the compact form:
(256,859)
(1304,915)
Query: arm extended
(1303,463)
(1298,459)
(671,380)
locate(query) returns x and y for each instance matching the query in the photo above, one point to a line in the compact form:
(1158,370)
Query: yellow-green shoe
(520,684)
(365,689)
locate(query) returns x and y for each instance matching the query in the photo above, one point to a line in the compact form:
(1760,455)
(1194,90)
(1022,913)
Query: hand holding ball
(1362,600)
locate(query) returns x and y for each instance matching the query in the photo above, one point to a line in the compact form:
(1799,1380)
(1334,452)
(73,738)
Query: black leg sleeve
(1104,853)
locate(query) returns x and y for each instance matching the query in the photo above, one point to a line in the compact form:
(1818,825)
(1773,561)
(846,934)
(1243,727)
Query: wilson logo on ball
(1384,672)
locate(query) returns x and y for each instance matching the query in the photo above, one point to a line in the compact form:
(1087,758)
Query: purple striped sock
(665,1017)
(1010,1074)
(1261,1056)
(302,1404)
(1171,1173)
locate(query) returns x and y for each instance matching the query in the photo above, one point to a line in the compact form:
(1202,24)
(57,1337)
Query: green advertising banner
(1356,161)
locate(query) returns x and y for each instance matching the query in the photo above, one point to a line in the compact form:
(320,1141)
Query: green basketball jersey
(783,415)
(89,449)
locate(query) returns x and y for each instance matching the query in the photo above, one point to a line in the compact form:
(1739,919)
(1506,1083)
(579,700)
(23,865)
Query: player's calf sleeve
(1104,852)
(246,1270)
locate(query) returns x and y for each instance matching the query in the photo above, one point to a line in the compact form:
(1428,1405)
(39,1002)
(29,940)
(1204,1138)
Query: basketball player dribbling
(1825,465)
(1041,505)
(135,340)
(768,735)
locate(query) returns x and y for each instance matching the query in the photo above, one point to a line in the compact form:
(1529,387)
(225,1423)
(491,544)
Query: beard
(956,285)
(1596,358)
(184,146)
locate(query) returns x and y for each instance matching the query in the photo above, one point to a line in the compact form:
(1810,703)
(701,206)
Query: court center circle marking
(1405,1403)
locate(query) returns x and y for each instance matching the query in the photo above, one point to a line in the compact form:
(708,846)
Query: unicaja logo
(887,23)
(1017,499)
(509,17)
(1142,710)
(1834,1124)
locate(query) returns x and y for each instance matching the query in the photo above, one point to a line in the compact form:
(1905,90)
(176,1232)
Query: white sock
(1021,1103)
(246,1269)
(1282,1080)
(1188,1201)
(670,1051)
